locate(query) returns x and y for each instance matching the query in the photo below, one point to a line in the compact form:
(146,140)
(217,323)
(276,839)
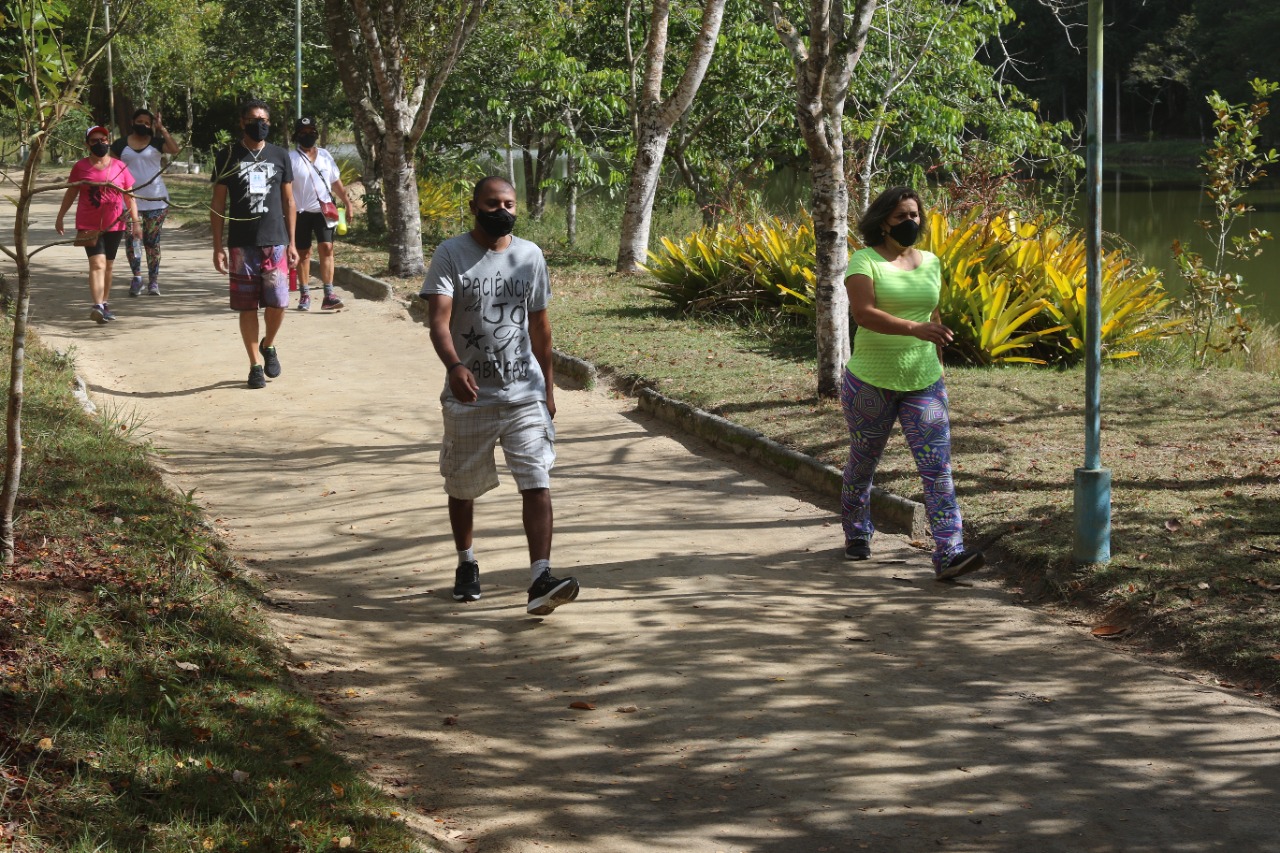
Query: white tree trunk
(830,206)
(656,119)
(404,220)
(637,216)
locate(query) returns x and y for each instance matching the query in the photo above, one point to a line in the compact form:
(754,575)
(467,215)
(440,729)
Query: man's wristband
(452,366)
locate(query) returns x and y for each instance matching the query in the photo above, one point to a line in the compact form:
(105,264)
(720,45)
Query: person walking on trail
(317,180)
(141,151)
(895,373)
(103,209)
(255,180)
(487,292)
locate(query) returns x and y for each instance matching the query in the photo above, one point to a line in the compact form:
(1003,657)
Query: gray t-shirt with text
(493,294)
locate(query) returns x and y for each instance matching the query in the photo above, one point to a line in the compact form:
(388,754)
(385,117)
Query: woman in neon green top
(896,374)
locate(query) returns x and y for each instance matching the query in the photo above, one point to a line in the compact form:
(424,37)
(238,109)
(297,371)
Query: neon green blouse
(897,362)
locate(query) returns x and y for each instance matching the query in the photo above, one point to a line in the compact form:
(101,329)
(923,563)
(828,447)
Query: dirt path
(752,692)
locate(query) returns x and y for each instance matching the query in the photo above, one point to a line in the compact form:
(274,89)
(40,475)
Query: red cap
(96,129)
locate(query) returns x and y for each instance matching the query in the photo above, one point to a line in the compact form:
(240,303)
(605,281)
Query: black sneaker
(271,361)
(857,549)
(961,564)
(257,379)
(466,584)
(548,593)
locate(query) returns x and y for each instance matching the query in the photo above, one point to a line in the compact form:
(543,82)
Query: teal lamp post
(1093,482)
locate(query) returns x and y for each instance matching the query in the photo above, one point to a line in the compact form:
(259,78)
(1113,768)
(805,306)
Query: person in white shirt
(141,151)
(316,179)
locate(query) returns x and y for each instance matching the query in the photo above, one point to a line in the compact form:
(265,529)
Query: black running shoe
(271,362)
(256,377)
(548,593)
(857,549)
(961,564)
(466,583)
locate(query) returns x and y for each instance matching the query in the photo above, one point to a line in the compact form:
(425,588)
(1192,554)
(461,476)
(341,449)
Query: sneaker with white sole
(466,582)
(961,564)
(98,314)
(135,285)
(304,302)
(548,593)
(857,549)
(330,303)
(153,288)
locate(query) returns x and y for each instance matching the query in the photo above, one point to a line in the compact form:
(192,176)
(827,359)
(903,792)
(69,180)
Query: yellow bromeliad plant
(698,272)
(779,257)
(989,310)
(441,202)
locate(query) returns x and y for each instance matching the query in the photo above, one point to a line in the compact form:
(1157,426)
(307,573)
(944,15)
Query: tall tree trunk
(830,204)
(404,220)
(571,202)
(637,215)
(375,217)
(18,357)
(656,119)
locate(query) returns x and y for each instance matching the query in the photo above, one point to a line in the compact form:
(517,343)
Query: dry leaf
(1108,631)
(451,721)
(45,743)
(338,790)
(582,706)
(344,842)
(1172,525)
(239,776)
(99,673)
(627,709)
(186,667)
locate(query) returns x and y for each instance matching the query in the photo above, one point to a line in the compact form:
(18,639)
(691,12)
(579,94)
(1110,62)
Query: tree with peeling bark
(654,118)
(43,79)
(823,69)
(394,58)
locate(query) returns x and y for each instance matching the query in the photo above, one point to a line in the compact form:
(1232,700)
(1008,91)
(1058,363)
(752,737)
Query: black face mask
(142,130)
(905,232)
(99,149)
(308,141)
(257,130)
(496,223)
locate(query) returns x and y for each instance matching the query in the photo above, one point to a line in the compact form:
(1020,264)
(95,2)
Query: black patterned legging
(152,221)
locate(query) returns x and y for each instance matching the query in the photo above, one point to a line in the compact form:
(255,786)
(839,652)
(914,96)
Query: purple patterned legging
(152,222)
(870,413)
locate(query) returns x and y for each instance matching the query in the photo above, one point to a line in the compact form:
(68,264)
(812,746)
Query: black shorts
(310,223)
(108,244)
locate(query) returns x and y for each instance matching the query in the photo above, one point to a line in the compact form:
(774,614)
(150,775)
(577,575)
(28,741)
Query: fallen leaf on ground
(627,709)
(45,743)
(344,842)
(99,674)
(582,706)
(450,721)
(239,776)
(1172,525)
(1108,630)
(338,790)
(185,666)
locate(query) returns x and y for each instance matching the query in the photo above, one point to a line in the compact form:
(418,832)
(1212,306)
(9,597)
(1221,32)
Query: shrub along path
(737,686)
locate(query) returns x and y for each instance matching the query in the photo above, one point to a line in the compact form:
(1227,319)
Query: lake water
(1150,211)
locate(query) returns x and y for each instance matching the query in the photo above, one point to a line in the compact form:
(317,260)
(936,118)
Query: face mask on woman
(99,149)
(307,140)
(905,232)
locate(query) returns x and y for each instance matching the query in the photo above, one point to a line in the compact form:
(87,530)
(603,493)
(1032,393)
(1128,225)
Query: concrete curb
(890,512)
(363,286)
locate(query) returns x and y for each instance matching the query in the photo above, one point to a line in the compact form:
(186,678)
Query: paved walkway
(751,691)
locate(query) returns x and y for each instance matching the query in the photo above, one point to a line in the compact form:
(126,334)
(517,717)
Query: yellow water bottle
(342,221)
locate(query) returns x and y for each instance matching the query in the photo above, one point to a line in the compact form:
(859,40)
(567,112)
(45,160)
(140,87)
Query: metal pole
(297,58)
(111,84)
(1093,482)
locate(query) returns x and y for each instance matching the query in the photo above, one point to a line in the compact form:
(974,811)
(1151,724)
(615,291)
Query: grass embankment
(142,704)
(1194,455)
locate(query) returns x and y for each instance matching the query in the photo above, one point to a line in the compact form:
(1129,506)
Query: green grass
(143,704)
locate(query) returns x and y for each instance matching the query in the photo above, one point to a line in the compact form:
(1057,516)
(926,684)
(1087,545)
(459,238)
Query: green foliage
(1014,288)
(1232,164)
(739,267)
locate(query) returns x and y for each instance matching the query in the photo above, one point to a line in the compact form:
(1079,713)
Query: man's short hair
(483,184)
(143,111)
(251,104)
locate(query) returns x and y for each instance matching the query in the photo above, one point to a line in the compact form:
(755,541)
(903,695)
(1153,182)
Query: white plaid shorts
(527,436)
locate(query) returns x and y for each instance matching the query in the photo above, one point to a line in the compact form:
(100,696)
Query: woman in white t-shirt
(141,151)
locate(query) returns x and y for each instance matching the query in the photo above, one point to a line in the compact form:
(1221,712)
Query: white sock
(538,567)
(466,557)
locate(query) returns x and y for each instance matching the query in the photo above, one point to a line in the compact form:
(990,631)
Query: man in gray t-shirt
(487,293)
